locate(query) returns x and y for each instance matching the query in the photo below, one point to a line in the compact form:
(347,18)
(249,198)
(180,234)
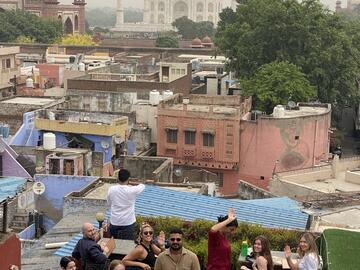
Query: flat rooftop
(306,111)
(29,101)
(333,185)
(204,108)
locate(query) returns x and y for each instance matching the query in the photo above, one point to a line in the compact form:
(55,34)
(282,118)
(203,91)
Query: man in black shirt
(87,250)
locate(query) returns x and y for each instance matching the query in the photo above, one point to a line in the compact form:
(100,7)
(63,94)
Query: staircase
(20,221)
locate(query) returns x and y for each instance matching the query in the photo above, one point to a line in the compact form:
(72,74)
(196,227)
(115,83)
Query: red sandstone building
(218,134)
(72,16)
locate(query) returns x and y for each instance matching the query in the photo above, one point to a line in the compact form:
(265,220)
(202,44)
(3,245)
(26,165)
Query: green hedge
(196,234)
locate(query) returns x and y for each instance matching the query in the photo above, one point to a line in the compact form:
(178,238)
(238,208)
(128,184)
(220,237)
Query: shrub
(196,234)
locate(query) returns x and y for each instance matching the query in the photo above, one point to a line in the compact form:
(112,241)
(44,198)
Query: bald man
(87,250)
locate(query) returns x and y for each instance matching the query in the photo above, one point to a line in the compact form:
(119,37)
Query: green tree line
(266,39)
(18,24)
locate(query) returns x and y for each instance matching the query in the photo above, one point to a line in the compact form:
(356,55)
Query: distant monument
(159,14)
(72,16)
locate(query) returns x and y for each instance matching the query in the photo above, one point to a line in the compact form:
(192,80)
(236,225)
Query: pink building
(293,140)
(50,75)
(204,133)
(216,133)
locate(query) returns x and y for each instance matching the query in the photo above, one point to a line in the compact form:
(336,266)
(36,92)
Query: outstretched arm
(293,266)
(231,217)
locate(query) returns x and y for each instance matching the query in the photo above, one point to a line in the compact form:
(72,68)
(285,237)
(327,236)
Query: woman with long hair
(308,252)
(67,263)
(262,252)
(143,255)
(219,248)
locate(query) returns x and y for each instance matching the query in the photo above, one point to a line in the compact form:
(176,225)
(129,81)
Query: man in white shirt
(121,199)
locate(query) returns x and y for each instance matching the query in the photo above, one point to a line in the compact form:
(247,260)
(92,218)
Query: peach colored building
(204,133)
(50,75)
(297,139)
(216,133)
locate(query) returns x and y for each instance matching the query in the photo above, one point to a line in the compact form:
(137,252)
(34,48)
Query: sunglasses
(148,233)
(175,239)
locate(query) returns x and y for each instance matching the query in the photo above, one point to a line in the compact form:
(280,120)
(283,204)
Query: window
(208,139)
(220,179)
(3,65)
(190,136)
(171,135)
(211,7)
(199,7)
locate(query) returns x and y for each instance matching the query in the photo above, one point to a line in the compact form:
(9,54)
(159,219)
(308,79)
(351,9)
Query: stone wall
(247,191)
(79,204)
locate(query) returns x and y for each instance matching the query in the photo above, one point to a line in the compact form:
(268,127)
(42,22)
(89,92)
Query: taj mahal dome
(159,14)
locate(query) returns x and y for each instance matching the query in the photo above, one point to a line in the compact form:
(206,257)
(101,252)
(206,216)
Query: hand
(244,268)
(145,266)
(106,251)
(254,266)
(231,214)
(161,239)
(287,251)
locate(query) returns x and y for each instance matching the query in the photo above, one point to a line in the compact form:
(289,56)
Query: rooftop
(159,201)
(9,186)
(306,111)
(29,101)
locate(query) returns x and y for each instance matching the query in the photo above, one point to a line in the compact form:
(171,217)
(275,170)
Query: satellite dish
(117,140)
(105,144)
(291,104)
(38,188)
(178,172)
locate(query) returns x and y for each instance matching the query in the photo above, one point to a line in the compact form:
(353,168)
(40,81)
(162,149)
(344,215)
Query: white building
(159,14)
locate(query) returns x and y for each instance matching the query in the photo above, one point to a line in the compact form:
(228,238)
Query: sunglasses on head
(175,239)
(148,233)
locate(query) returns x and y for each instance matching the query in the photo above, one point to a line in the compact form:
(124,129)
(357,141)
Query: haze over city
(140,3)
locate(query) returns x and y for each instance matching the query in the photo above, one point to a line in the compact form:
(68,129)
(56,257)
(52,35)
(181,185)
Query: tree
(277,83)
(305,34)
(189,29)
(15,23)
(77,39)
(24,39)
(167,42)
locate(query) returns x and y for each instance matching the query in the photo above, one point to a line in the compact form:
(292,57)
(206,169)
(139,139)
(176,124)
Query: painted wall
(10,250)
(53,72)
(281,144)
(27,135)
(56,188)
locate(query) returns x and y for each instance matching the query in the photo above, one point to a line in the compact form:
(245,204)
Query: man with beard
(177,257)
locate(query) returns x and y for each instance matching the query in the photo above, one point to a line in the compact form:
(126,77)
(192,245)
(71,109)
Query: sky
(140,3)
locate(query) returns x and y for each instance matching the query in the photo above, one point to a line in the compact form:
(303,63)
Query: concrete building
(13,108)
(217,133)
(72,16)
(294,139)
(9,70)
(102,133)
(205,133)
(159,14)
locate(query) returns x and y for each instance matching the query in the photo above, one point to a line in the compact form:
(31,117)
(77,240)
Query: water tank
(167,94)
(279,111)
(154,97)
(49,141)
(5,130)
(81,67)
(29,83)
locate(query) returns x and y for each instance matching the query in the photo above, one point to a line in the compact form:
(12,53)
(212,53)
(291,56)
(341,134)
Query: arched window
(59,18)
(211,18)
(76,23)
(199,18)
(68,26)
(199,7)
(211,7)
(161,6)
(161,18)
(152,6)
(152,18)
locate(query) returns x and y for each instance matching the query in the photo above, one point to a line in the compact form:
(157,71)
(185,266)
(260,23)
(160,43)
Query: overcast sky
(140,3)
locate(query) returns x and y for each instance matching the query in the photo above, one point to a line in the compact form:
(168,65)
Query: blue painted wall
(27,135)
(56,188)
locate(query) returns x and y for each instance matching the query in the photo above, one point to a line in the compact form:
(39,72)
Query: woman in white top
(309,256)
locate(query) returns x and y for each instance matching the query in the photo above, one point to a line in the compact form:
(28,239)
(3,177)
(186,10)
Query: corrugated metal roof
(9,186)
(157,201)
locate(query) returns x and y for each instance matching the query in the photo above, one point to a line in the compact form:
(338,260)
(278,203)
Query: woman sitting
(143,256)
(309,256)
(261,250)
